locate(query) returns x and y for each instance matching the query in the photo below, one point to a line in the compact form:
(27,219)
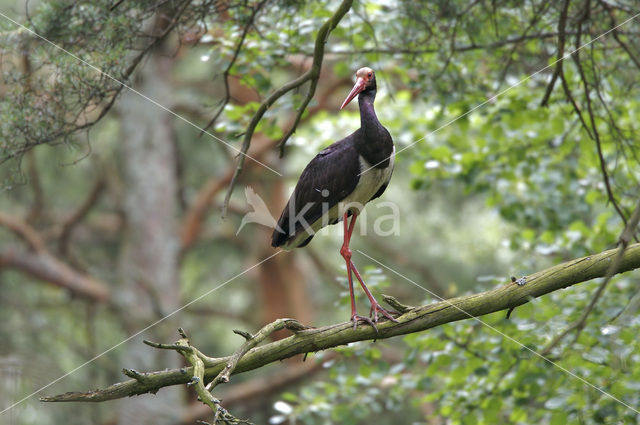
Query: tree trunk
(149,256)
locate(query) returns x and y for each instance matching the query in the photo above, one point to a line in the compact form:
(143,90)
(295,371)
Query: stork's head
(365,80)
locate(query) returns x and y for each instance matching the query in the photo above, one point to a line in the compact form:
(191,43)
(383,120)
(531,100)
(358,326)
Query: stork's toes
(373,319)
(375,308)
(365,319)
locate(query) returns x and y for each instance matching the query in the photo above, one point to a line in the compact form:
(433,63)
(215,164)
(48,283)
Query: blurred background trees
(110,208)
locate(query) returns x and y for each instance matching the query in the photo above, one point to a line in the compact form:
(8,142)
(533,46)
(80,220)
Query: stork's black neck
(375,143)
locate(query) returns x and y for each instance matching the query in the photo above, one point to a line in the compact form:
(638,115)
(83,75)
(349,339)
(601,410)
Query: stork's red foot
(365,319)
(375,308)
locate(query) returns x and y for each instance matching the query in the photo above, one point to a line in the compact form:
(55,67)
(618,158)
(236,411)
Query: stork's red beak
(357,88)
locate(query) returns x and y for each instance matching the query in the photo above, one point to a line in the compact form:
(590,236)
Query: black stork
(337,184)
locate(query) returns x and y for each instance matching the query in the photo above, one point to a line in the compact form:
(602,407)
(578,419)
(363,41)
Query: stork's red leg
(375,307)
(346,253)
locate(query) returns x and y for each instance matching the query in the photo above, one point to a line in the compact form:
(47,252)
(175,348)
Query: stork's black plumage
(334,174)
(339,181)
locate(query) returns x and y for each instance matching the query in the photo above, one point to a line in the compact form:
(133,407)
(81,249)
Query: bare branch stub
(132,373)
(396,305)
(245,335)
(162,346)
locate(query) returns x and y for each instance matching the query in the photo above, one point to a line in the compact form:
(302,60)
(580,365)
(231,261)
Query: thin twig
(594,129)
(401,50)
(234,57)
(574,104)
(465,346)
(311,75)
(616,32)
(562,26)
(537,14)
(195,215)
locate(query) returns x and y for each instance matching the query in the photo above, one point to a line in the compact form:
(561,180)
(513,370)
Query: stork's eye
(370,74)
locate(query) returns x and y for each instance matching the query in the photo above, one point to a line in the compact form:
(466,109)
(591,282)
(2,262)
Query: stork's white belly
(371,180)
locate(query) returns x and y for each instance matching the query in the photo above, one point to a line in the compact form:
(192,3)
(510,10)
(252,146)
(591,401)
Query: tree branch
(24,231)
(311,75)
(48,268)
(414,320)
(39,263)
